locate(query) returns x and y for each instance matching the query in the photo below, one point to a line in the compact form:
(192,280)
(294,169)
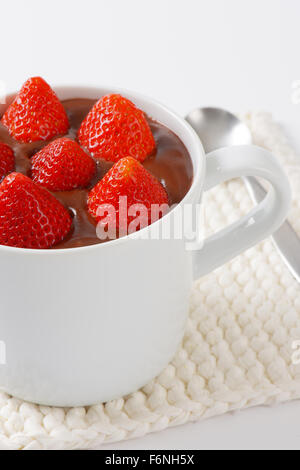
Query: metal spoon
(219,128)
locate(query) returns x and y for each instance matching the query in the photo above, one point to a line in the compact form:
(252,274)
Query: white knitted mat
(236,353)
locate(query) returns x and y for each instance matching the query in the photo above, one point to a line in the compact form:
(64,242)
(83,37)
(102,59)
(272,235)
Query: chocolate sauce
(171,164)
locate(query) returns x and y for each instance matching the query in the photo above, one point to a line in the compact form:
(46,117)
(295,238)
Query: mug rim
(198,166)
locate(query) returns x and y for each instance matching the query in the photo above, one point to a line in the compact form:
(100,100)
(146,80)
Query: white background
(239,54)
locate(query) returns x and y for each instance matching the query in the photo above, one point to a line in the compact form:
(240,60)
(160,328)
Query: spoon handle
(285,239)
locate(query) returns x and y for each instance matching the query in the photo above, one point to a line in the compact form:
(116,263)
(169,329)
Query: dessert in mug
(63,165)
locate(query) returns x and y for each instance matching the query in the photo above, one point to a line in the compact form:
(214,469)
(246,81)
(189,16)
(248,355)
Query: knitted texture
(237,349)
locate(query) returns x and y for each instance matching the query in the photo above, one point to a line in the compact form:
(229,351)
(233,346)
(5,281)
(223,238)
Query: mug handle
(232,162)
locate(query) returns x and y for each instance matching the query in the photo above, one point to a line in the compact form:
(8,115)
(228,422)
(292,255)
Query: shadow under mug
(91,324)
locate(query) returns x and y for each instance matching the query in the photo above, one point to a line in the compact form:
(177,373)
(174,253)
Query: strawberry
(115,128)
(36,113)
(7,160)
(30,217)
(127,178)
(62,165)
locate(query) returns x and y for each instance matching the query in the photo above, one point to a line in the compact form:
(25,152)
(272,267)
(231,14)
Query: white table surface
(239,54)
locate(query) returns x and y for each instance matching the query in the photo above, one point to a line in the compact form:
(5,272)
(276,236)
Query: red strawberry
(36,113)
(7,160)
(127,178)
(115,128)
(62,165)
(30,217)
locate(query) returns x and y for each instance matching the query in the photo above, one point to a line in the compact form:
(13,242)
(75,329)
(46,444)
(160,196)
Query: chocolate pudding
(170,164)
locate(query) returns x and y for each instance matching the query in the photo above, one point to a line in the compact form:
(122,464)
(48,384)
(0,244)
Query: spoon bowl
(218,128)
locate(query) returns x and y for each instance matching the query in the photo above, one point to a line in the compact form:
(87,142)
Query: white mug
(91,324)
